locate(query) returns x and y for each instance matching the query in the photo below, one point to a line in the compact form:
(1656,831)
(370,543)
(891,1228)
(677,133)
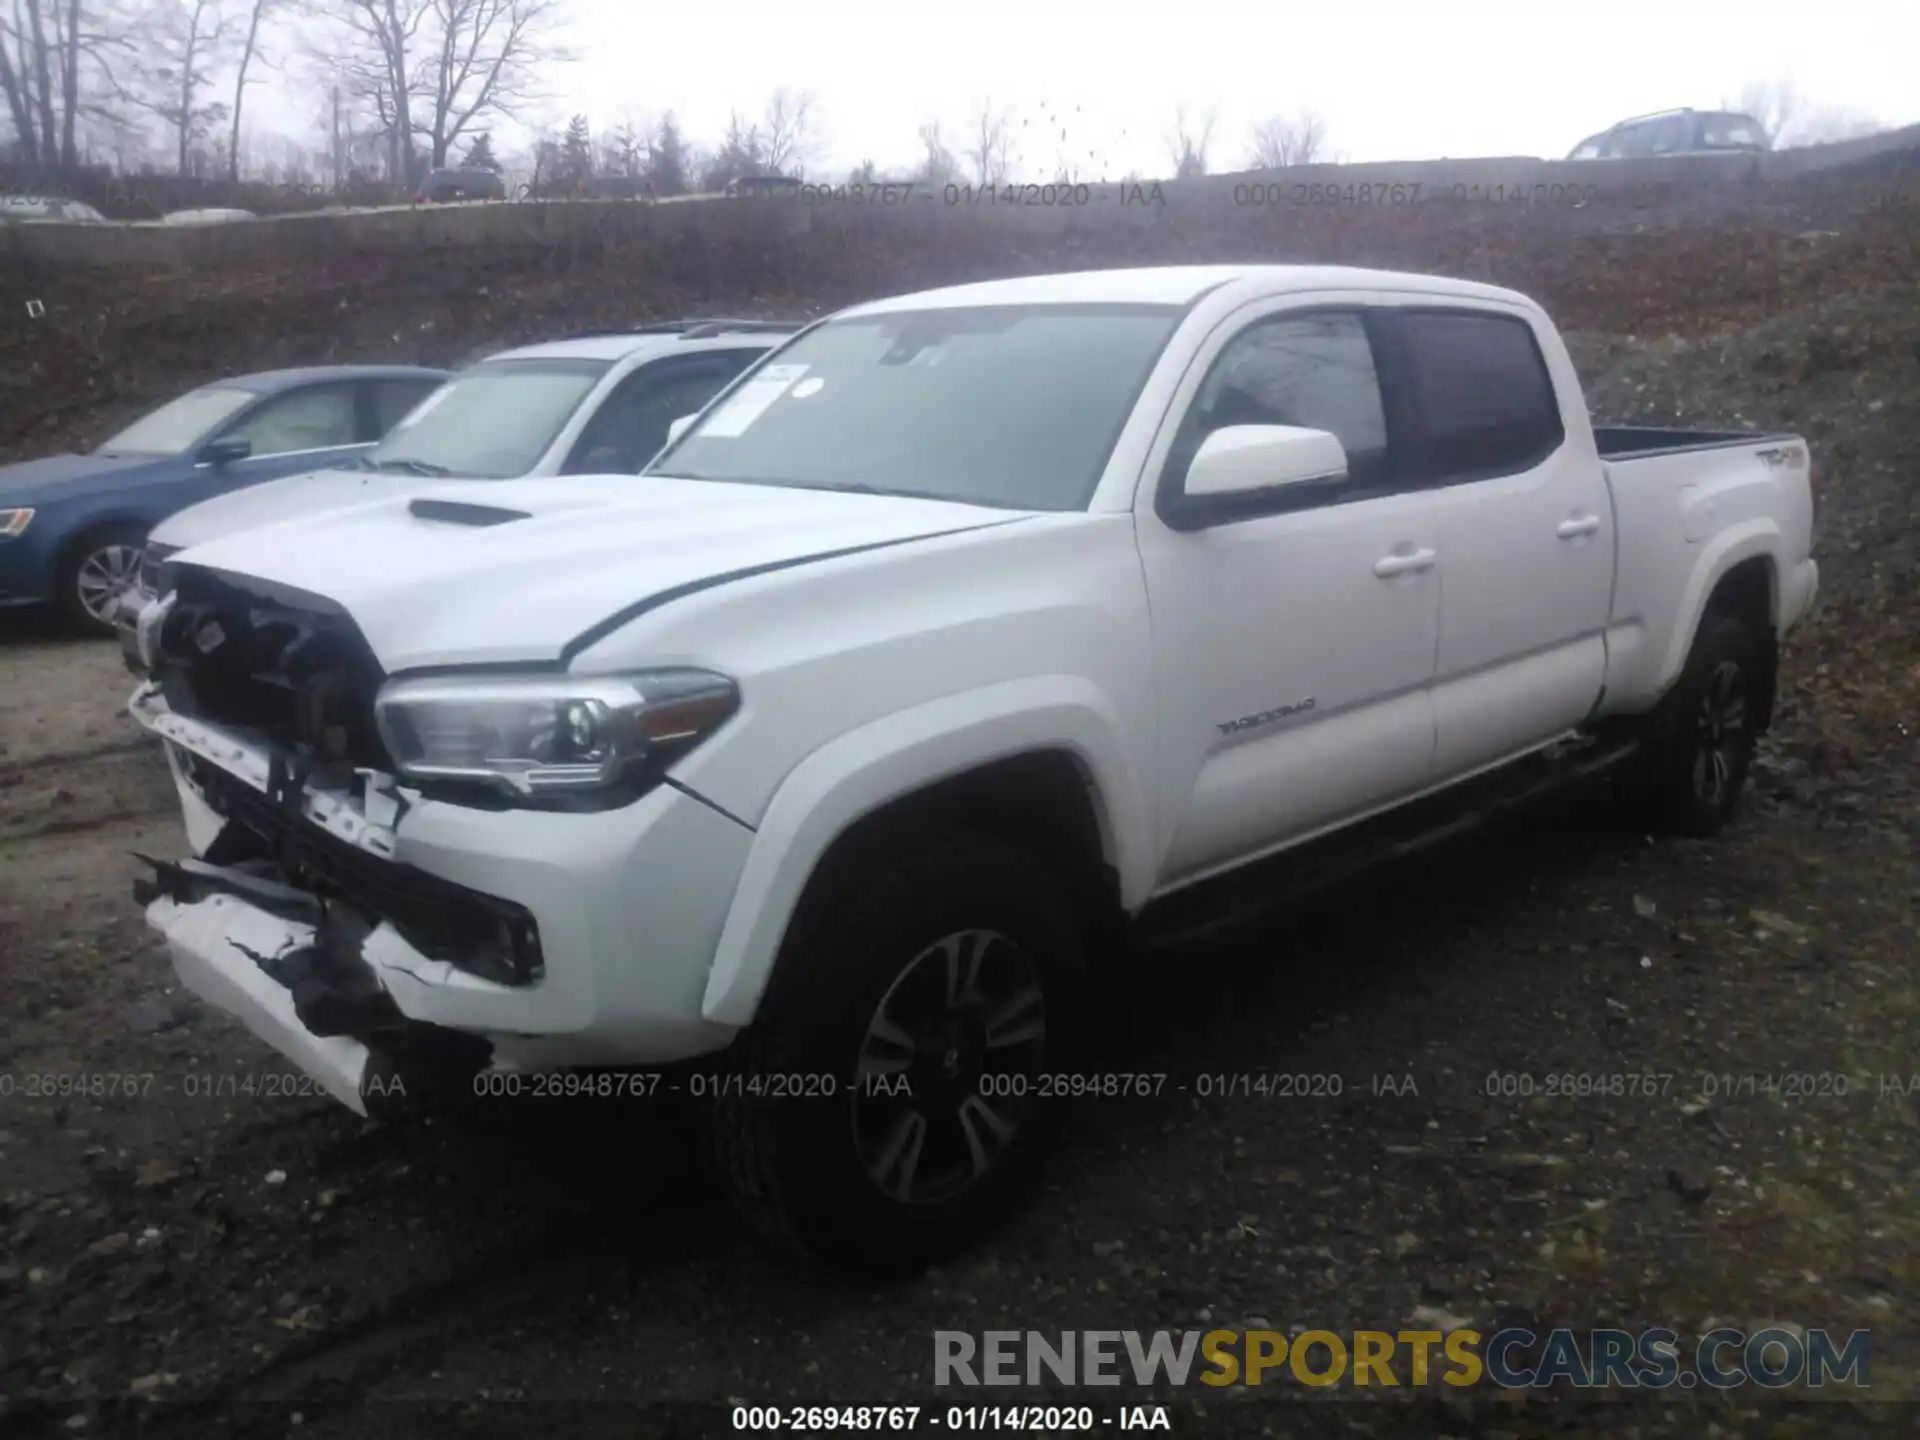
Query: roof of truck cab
(1173,285)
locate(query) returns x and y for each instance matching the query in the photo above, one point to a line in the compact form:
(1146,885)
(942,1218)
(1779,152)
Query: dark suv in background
(1676,132)
(444,185)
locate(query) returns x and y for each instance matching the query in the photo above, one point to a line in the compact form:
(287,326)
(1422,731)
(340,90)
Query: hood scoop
(459,512)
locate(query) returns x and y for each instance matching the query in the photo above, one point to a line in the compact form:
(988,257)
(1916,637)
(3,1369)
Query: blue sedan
(72,526)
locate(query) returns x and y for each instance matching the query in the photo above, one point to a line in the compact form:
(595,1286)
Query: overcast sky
(1393,79)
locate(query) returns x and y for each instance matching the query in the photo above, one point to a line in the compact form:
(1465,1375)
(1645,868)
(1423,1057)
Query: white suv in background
(592,404)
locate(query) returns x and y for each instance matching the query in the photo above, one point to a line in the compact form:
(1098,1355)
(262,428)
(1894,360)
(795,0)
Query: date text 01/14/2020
(699,1084)
(1043,1419)
(139,1084)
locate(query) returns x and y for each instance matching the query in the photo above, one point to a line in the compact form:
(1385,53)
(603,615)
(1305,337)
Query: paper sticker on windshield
(750,402)
(808,387)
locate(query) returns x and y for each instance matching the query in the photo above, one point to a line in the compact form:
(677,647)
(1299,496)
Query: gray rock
(165,1012)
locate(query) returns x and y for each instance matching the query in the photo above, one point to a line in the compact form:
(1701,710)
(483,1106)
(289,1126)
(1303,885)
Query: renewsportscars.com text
(1514,1358)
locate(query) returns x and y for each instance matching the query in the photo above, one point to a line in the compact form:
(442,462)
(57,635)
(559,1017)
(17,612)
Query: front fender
(854,775)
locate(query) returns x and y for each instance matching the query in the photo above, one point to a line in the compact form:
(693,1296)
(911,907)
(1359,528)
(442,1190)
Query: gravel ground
(196,1247)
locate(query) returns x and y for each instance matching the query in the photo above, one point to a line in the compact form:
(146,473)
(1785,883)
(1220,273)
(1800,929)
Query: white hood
(485,585)
(281,499)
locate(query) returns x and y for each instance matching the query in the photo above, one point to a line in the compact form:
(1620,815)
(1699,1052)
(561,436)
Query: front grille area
(482,934)
(296,671)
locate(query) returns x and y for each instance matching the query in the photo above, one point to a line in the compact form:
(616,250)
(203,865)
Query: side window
(392,399)
(318,417)
(1486,400)
(1729,132)
(1314,370)
(631,424)
(1666,137)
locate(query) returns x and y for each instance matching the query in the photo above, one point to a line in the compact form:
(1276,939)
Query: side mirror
(1243,459)
(225,450)
(679,427)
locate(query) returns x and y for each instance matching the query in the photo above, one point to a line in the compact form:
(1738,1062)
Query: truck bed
(1632,442)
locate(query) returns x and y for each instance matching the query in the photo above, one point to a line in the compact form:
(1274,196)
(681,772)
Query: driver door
(1294,634)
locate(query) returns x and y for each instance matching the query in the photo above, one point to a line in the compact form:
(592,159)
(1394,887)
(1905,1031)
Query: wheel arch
(1040,763)
(1739,575)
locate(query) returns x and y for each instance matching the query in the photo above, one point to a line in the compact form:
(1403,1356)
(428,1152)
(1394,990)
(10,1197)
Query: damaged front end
(296,905)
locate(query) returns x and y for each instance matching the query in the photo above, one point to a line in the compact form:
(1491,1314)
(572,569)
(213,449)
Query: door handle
(1390,565)
(1575,528)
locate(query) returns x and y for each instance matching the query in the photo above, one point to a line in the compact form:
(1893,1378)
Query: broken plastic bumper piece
(296,974)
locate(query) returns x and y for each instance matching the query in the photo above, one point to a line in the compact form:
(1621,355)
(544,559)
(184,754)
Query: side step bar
(1294,874)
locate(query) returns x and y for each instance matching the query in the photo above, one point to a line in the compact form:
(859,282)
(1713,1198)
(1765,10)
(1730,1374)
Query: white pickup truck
(825,764)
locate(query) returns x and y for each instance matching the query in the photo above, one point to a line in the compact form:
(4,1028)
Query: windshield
(492,422)
(1009,406)
(176,426)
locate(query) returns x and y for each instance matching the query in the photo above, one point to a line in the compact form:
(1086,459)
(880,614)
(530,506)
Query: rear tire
(885,1108)
(1700,742)
(97,570)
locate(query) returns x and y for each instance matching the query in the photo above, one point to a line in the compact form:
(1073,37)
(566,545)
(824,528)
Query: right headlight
(549,735)
(12,522)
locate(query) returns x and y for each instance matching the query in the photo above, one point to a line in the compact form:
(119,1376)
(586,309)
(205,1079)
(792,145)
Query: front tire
(98,570)
(890,1104)
(1701,743)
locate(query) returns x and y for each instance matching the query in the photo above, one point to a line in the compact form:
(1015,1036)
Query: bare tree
(432,70)
(58,64)
(1279,142)
(787,132)
(182,45)
(991,145)
(1189,143)
(373,56)
(937,166)
(258,11)
(485,56)
(1773,104)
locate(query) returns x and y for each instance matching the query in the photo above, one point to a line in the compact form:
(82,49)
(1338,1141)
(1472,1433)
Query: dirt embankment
(200,1241)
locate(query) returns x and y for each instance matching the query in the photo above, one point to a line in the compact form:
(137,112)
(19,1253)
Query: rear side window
(1723,132)
(1486,400)
(392,399)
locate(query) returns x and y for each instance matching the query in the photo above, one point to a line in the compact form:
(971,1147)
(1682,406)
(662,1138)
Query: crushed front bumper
(211,940)
(626,906)
(296,974)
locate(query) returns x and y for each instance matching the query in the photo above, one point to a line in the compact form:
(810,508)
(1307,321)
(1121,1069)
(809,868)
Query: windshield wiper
(408,467)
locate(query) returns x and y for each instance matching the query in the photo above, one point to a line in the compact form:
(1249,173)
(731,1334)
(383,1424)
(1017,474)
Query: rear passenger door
(1526,533)
(630,426)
